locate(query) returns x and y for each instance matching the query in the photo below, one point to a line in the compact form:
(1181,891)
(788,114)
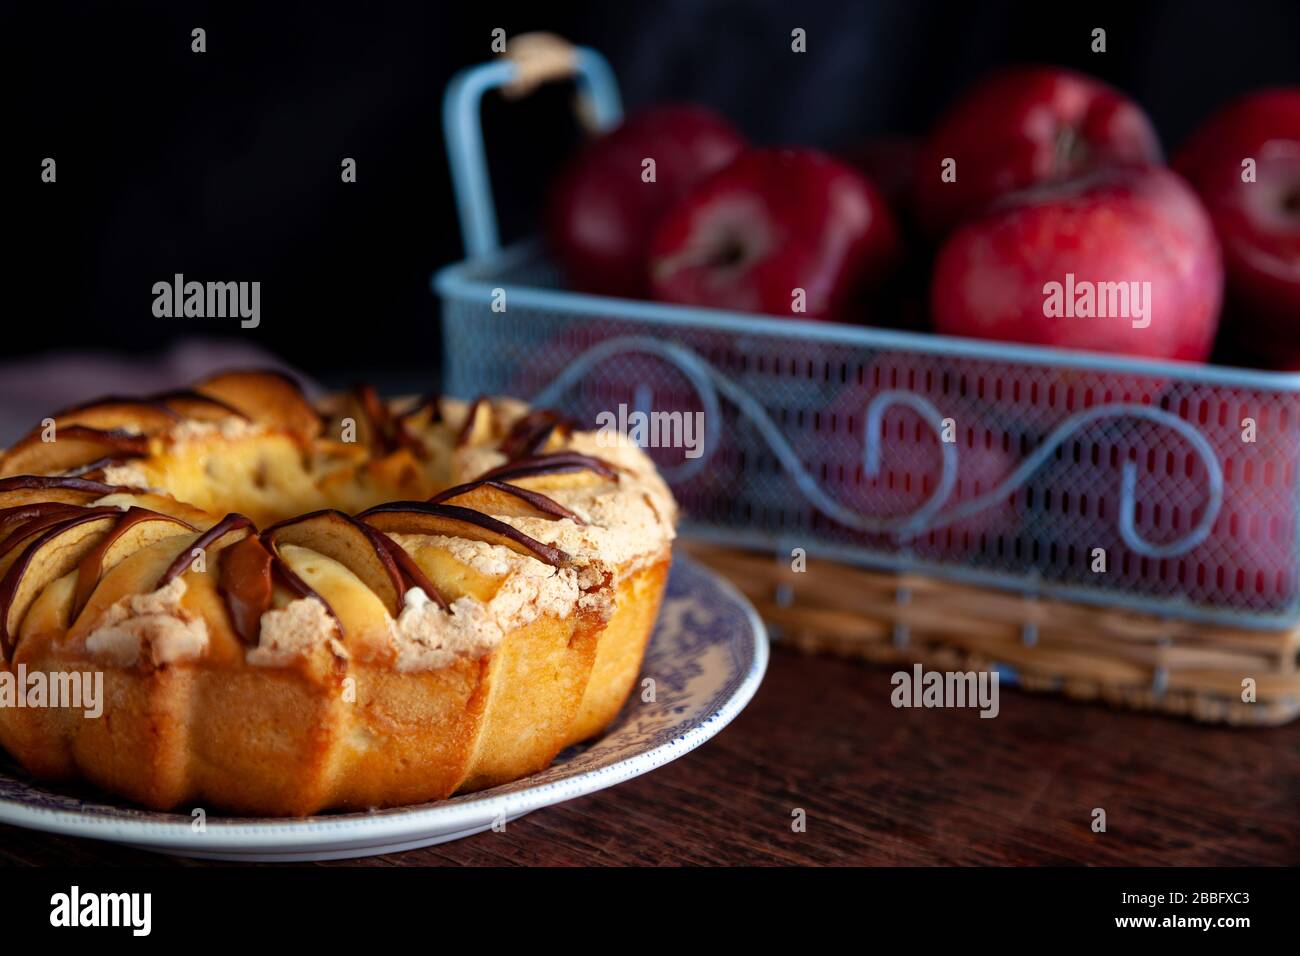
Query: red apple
(911,469)
(1258,221)
(774,221)
(1020,127)
(1247,561)
(1023,272)
(1251,550)
(600,212)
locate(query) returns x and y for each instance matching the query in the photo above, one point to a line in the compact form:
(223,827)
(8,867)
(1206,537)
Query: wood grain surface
(887,786)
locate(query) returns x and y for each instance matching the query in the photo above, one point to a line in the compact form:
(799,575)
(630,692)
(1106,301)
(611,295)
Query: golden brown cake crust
(298,608)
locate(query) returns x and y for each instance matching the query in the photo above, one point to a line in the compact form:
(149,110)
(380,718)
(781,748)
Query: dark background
(225,165)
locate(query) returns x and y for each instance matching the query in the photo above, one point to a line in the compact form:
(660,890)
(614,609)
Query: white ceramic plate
(707,657)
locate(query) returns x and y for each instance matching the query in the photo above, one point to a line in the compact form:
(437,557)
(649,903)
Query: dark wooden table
(886,786)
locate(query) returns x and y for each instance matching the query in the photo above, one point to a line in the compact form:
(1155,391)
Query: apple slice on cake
(54,552)
(73,446)
(501,498)
(137,528)
(270,398)
(421,517)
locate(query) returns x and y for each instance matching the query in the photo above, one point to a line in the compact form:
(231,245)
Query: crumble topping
(294,631)
(122,501)
(471,461)
(230,428)
(624,530)
(630,523)
(153,623)
(129,475)
(490,559)
(428,637)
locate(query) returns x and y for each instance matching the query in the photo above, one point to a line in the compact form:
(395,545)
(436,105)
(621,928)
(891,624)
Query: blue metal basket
(1157,486)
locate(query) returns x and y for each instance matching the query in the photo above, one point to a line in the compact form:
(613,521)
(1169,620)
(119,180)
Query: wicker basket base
(1085,652)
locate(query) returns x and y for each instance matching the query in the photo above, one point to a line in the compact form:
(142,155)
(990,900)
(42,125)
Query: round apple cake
(295,607)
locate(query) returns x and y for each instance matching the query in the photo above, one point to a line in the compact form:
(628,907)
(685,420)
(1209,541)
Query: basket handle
(530,60)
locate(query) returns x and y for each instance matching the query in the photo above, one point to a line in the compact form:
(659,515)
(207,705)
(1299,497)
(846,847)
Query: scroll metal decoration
(709,385)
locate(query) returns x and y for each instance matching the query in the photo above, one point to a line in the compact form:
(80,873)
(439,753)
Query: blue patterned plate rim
(744,637)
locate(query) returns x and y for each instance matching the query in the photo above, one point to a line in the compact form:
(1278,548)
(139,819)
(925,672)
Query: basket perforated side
(1032,483)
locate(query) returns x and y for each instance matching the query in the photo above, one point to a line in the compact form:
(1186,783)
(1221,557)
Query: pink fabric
(32,388)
